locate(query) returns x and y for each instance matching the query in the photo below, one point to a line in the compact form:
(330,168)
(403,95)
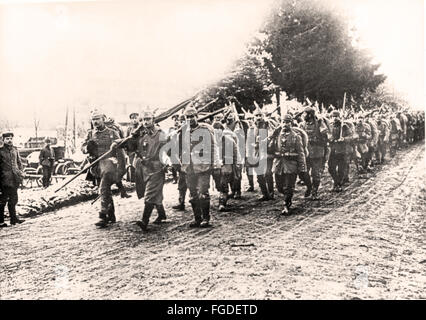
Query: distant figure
(10,179)
(47,160)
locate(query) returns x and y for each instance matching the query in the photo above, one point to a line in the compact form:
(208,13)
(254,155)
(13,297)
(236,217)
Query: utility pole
(73,129)
(65,133)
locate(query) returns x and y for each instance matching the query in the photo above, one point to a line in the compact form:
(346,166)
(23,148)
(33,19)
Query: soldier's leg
(182,187)
(45,176)
(147,210)
(11,205)
(343,164)
(250,179)
(316,173)
(161,214)
(261,180)
(332,169)
(192,183)
(204,198)
(270,179)
(306,178)
(3,200)
(224,189)
(107,170)
(279,183)
(237,182)
(289,184)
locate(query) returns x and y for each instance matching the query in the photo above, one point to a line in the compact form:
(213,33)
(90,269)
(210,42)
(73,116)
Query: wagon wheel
(39,170)
(60,168)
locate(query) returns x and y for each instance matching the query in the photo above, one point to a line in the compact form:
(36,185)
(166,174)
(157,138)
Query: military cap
(7,134)
(335,113)
(190,111)
(47,140)
(133,115)
(175,116)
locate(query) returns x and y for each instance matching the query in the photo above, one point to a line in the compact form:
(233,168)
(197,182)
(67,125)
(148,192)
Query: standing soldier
(341,148)
(109,170)
(47,159)
(317,131)
(10,179)
(151,164)
(175,127)
(198,165)
(289,159)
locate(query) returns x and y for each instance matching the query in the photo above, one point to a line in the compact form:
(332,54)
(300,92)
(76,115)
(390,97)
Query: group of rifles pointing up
(275,149)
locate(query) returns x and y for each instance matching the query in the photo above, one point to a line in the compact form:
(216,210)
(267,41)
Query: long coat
(10,167)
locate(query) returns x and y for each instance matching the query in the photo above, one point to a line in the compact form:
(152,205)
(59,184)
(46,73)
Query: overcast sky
(157,53)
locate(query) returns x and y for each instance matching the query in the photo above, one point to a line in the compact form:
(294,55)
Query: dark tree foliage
(310,53)
(248,81)
(304,49)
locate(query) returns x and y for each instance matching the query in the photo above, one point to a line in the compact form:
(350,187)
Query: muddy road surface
(368,242)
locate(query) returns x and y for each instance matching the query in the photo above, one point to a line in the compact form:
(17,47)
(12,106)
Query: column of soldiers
(302,144)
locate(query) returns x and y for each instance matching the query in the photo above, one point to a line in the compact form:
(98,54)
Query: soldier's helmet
(309,110)
(190,111)
(134,115)
(175,117)
(335,113)
(46,140)
(287,118)
(95,114)
(147,114)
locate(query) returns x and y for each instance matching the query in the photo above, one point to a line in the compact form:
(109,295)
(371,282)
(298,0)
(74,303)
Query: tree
(307,49)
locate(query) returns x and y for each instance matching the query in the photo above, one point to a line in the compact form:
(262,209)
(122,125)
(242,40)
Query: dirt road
(368,242)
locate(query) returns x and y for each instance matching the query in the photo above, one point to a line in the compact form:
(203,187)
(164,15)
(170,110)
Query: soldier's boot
(12,213)
(270,185)
(315,186)
(222,202)
(205,209)
(181,205)
(103,221)
(143,224)
(264,190)
(111,214)
(251,183)
(287,205)
(161,214)
(195,203)
(2,223)
(308,184)
(123,192)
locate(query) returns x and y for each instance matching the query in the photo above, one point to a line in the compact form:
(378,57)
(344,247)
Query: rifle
(343,110)
(160,118)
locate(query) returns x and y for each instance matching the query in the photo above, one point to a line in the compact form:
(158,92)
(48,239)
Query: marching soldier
(383,140)
(182,186)
(11,177)
(175,127)
(134,124)
(151,164)
(317,131)
(289,159)
(340,145)
(199,165)
(265,180)
(109,170)
(363,131)
(249,118)
(110,123)
(233,126)
(225,176)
